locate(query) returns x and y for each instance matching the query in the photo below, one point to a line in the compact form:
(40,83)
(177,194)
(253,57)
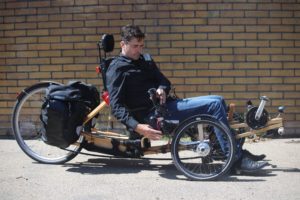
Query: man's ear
(122,43)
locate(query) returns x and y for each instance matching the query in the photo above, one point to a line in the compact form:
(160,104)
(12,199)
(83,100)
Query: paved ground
(89,177)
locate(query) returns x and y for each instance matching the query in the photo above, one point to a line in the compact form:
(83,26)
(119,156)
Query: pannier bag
(64,110)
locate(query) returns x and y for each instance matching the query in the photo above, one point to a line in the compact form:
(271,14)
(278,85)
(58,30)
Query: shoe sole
(240,171)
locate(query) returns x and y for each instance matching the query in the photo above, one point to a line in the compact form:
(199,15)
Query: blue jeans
(214,105)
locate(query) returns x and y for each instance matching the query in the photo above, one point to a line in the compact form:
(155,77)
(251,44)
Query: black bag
(64,110)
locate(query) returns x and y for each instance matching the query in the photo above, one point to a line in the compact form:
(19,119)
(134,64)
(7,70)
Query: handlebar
(160,109)
(157,121)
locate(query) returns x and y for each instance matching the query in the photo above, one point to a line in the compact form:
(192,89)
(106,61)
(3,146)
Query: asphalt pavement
(88,177)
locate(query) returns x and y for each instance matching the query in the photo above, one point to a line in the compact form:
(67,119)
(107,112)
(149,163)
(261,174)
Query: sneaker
(248,165)
(252,156)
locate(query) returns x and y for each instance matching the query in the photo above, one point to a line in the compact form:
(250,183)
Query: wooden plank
(95,112)
(255,132)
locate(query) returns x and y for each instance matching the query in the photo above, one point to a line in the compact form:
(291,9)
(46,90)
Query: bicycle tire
(26,126)
(202,158)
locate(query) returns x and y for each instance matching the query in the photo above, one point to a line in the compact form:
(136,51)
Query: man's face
(132,49)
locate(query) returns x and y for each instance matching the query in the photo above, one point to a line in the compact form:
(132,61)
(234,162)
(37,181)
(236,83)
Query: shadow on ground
(165,169)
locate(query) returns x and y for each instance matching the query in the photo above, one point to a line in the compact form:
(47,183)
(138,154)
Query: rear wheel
(27,127)
(197,152)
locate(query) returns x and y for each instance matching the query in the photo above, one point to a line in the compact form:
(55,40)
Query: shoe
(248,165)
(252,156)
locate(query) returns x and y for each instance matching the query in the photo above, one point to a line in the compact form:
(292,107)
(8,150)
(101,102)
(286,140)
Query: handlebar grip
(152,94)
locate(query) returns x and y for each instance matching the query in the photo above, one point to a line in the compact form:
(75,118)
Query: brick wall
(240,49)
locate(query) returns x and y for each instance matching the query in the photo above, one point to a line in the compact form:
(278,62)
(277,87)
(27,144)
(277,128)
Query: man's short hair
(131,31)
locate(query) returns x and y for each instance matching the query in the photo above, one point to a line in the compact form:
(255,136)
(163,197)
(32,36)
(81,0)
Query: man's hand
(161,94)
(148,131)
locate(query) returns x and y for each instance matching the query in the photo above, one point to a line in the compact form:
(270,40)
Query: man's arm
(116,89)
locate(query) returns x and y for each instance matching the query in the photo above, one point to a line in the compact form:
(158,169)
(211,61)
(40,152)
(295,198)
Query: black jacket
(127,82)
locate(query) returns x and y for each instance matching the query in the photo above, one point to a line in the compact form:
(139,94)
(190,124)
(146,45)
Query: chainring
(252,122)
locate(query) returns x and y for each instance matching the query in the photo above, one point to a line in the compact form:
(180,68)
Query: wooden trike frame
(103,139)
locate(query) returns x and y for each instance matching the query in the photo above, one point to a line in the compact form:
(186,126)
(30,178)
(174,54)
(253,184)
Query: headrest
(108,42)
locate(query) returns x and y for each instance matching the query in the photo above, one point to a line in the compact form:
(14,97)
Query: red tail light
(98,69)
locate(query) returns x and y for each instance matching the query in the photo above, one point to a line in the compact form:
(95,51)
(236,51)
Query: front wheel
(203,148)
(27,126)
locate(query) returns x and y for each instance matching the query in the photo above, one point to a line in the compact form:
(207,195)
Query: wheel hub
(203,149)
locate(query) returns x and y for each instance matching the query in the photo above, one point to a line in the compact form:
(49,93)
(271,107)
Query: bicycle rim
(197,153)
(27,128)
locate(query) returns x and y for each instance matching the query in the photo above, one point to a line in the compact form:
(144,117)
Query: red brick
(155,14)
(247,51)
(171,51)
(208,58)
(14,76)
(194,7)
(231,13)
(244,6)
(26,11)
(40,75)
(219,21)
(49,39)
(209,73)
(182,14)
(269,21)
(16,5)
(232,29)
(234,88)
(282,58)
(221,81)
(270,50)
(269,36)
(186,58)
(219,36)
(284,72)
(167,7)
(197,80)
(86,2)
(233,43)
(258,58)
(182,29)
(61,31)
(222,65)
(197,51)
(39,61)
(46,10)
(170,22)
(205,29)
(220,51)
(282,43)
(184,73)
(195,21)
(234,73)
(63,75)
(183,44)
(50,53)
(38,32)
(257,28)
(246,65)
(282,28)
(219,6)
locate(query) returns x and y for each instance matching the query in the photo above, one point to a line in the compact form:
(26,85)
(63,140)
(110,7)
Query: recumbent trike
(193,144)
